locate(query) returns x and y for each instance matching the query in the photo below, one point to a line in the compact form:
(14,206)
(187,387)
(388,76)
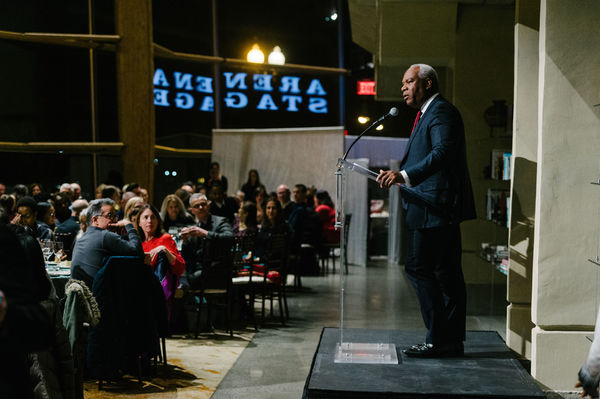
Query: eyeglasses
(200,204)
(110,215)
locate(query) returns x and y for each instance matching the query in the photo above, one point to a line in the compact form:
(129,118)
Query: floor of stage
(278,360)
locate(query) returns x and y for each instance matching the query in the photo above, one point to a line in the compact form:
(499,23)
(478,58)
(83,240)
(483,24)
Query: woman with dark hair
(7,201)
(46,218)
(253,183)
(154,241)
(35,189)
(161,252)
(246,223)
(273,223)
(326,212)
(174,214)
(215,177)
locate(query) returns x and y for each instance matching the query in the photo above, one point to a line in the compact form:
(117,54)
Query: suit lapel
(420,126)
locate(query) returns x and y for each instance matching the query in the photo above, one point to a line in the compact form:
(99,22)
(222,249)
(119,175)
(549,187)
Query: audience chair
(134,317)
(215,280)
(243,279)
(276,259)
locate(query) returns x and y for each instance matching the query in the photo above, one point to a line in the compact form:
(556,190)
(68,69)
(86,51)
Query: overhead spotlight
(167,173)
(174,173)
(380,127)
(256,55)
(363,119)
(334,16)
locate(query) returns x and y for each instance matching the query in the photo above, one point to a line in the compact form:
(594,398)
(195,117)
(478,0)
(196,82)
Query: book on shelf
(497,206)
(506,165)
(496,164)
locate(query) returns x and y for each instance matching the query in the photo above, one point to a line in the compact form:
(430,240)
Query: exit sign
(365,88)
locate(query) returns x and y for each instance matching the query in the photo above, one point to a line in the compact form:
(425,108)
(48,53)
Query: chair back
(276,256)
(133,311)
(217,263)
(241,247)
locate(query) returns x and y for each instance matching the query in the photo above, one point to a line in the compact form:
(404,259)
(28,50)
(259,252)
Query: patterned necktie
(416,121)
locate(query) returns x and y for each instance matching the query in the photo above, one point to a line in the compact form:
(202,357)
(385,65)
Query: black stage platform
(488,370)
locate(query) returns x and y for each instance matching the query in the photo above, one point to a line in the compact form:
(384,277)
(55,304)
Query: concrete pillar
(523,174)
(567,232)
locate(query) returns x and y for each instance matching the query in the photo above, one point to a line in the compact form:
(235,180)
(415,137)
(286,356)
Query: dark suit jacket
(218,228)
(436,164)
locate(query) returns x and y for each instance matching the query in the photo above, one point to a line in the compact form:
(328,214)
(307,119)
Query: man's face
(299,196)
(2,189)
(27,216)
(200,208)
(414,88)
(216,194)
(283,194)
(107,217)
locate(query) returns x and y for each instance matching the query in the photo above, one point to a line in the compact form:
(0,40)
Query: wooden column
(135,70)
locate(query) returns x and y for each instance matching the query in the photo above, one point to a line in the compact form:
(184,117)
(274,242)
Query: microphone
(392,112)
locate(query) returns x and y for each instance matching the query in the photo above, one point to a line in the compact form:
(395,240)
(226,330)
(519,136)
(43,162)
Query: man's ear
(429,84)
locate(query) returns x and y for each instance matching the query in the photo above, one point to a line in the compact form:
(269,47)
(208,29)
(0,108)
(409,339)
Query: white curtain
(281,156)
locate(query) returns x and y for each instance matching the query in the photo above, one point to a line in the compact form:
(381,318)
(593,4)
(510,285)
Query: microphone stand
(373,125)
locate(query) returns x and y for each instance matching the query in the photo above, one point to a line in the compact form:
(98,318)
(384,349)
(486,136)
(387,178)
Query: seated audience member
(8,202)
(46,219)
(2,188)
(113,193)
(134,203)
(98,191)
(71,227)
(62,202)
(189,188)
(326,212)
(35,189)
(174,214)
(304,221)
(155,241)
(161,252)
(239,197)
(144,194)
(283,195)
(245,223)
(134,188)
(184,196)
(220,204)
(273,223)
(27,217)
(99,243)
(260,196)
(20,191)
(65,188)
(26,322)
(208,227)
(253,182)
(83,224)
(127,195)
(215,177)
(76,188)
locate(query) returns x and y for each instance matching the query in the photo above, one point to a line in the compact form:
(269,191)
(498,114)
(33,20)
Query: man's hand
(120,223)
(193,231)
(2,307)
(389,177)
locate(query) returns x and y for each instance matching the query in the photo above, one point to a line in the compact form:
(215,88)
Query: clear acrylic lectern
(354,352)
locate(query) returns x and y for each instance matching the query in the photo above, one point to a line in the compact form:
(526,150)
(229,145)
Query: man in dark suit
(209,227)
(436,196)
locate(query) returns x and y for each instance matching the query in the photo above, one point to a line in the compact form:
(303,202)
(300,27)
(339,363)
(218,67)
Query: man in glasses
(99,242)
(208,226)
